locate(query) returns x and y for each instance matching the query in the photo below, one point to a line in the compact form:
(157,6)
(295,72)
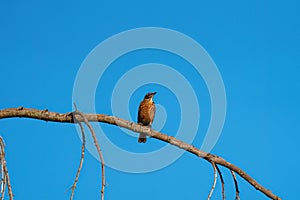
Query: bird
(146,114)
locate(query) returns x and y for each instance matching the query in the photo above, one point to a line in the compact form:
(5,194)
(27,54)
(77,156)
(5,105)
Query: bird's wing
(152,113)
(140,112)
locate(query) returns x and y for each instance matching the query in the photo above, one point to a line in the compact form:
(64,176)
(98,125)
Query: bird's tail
(142,138)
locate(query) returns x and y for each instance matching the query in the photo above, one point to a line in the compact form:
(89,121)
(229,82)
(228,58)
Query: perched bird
(146,114)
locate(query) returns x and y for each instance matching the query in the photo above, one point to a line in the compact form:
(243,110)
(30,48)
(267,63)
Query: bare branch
(5,171)
(215,181)
(222,181)
(3,183)
(68,118)
(237,192)
(81,160)
(98,150)
(3,178)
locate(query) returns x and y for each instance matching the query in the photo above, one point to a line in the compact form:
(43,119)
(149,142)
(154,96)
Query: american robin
(146,113)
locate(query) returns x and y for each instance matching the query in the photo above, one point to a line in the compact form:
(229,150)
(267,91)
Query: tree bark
(69,118)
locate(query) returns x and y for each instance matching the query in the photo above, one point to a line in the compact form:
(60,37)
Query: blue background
(254,44)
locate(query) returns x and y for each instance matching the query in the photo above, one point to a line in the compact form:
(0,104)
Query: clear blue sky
(255,45)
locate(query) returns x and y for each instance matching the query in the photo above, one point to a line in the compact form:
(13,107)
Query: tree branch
(6,180)
(222,181)
(97,147)
(81,160)
(237,192)
(215,181)
(68,118)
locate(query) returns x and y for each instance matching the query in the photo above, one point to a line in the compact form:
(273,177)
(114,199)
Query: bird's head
(150,95)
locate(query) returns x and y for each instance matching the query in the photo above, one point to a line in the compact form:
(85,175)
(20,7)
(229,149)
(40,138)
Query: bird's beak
(153,93)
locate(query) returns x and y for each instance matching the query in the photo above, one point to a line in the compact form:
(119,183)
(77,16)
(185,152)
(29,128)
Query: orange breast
(146,113)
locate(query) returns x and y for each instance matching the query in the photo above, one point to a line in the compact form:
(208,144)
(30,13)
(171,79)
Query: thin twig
(5,170)
(2,177)
(3,183)
(4,188)
(98,150)
(215,181)
(222,181)
(81,160)
(237,192)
